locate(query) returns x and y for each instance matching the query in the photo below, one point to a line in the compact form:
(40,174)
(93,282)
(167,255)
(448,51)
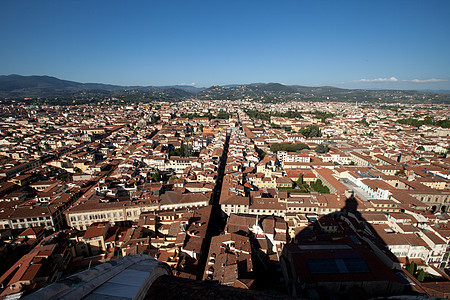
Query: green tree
(322,115)
(301,184)
(300,181)
(223,115)
(319,187)
(184,151)
(176,152)
(426,121)
(154,119)
(187,150)
(411,268)
(287,147)
(401,172)
(156,177)
(311,131)
(421,275)
(322,148)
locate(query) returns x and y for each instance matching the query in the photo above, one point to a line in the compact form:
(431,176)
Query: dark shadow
(341,256)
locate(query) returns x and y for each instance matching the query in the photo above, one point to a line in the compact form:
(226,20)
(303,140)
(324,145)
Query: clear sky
(357,44)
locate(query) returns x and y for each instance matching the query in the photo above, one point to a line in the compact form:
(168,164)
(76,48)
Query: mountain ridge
(17,86)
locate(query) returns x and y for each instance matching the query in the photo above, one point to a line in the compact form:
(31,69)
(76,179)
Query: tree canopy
(322,148)
(319,187)
(288,147)
(184,150)
(311,131)
(425,121)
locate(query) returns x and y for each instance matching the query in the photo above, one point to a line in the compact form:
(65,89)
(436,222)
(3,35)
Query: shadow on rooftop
(341,256)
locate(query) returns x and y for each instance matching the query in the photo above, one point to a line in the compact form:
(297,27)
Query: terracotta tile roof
(96,230)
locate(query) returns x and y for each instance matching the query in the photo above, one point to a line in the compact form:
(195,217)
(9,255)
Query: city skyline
(400,45)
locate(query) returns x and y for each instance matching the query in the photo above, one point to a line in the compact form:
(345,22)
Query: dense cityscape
(225,150)
(284,199)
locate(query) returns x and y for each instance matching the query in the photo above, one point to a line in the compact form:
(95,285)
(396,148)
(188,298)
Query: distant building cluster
(340,199)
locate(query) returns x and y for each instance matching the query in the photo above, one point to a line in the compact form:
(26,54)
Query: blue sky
(356,44)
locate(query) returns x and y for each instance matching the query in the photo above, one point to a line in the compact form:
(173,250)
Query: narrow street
(217,221)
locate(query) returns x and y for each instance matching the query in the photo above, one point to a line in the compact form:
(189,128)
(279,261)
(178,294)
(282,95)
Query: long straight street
(217,220)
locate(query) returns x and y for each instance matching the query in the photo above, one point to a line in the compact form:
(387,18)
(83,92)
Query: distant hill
(436,91)
(14,83)
(17,86)
(46,87)
(188,88)
(263,91)
(274,92)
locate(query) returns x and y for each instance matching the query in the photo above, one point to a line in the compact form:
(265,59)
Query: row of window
(33,219)
(263,210)
(303,208)
(96,216)
(102,216)
(429,199)
(20,226)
